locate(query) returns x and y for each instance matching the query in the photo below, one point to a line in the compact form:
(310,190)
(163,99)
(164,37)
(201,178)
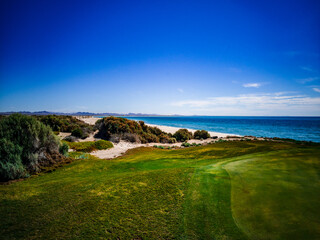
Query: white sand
(118,149)
(174,129)
(88,119)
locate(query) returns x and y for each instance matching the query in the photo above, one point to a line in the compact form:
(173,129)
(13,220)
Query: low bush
(201,134)
(71,138)
(182,135)
(78,132)
(102,144)
(185,144)
(26,147)
(165,138)
(82,155)
(90,146)
(64,148)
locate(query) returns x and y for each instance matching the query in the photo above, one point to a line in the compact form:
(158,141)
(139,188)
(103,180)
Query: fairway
(227,190)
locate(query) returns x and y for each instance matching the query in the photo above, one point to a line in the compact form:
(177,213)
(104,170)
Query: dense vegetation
(227,190)
(26,147)
(115,129)
(71,124)
(90,146)
(182,135)
(201,134)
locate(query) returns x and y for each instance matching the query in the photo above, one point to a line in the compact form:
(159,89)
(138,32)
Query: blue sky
(167,57)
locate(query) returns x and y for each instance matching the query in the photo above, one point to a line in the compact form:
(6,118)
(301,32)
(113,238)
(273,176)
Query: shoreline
(172,130)
(168,129)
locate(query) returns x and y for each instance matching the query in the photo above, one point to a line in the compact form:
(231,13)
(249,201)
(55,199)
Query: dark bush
(115,138)
(182,135)
(27,145)
(77,133)
(131,137)
(71,138)
(115,129)
(149,138)
(201,134)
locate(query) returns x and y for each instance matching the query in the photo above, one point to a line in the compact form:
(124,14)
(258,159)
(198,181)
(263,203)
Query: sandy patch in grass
(117,150)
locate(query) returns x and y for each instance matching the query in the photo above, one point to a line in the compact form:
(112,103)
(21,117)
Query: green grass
(90,145)
(227,190)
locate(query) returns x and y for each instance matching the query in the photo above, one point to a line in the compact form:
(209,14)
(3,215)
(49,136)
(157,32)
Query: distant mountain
(86,114)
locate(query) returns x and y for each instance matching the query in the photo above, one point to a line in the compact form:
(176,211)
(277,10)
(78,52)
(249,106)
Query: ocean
(298,128)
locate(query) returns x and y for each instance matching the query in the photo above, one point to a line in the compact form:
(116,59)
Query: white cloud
(255,85)
(255,104)
(306,80)
(316,90)
(180,90)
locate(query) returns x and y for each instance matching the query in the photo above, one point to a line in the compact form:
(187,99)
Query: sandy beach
(121,147)
(92,121)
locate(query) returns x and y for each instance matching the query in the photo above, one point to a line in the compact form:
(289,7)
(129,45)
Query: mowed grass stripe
(276,195)
(208,207)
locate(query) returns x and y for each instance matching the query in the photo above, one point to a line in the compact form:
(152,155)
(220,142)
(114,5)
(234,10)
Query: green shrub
(201,134)
(103,144)
(27,146)
(64,148)
(182,135)
(77,133)
(185,144)
(149,138)
(11,166)
(165,138)
(90,146)
(115,129)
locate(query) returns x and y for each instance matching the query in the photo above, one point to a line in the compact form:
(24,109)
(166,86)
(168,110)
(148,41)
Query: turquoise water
(298,128)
